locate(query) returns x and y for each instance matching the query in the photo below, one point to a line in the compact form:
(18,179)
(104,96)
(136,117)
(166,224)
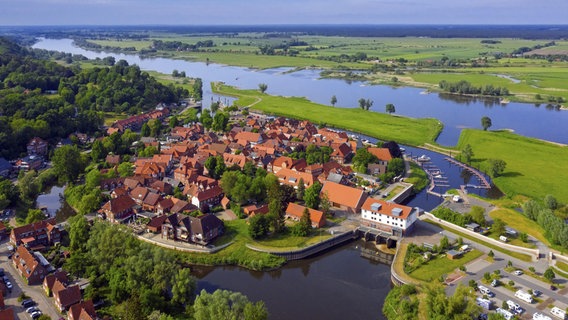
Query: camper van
(484,303)
(540,316)
(508,315)
(525,296)
(485,290)
(503,238)
(557,312)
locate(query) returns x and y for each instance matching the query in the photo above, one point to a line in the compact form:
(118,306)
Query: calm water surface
(338,285)
(454,112)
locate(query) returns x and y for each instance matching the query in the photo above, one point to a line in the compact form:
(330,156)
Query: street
(45,304)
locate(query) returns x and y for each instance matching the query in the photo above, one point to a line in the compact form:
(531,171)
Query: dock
(480,176)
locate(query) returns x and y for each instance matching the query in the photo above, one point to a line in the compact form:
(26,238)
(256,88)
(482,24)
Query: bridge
(480,176)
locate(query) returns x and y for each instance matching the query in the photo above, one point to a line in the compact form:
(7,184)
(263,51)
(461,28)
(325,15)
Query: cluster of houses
(33,267)
(261,141)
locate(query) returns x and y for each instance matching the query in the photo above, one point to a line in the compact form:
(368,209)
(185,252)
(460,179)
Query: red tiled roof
(344,195)
(209,193)
(67,296)
(119,204)
(386,208)
(317,217)
(83,311)
(381,153)
(292,178)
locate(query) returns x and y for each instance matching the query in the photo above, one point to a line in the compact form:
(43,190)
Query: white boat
(438,176)
(365,141)
(423,158)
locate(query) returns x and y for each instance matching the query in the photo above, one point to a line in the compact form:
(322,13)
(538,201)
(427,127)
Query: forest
(46,99)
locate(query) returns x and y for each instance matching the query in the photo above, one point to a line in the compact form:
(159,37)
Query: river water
(455,112)
(339,284)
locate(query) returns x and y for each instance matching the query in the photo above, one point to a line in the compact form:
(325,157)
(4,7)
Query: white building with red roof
(388,216)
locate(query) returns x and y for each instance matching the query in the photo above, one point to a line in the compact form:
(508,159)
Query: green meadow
(386,127)
(534,168)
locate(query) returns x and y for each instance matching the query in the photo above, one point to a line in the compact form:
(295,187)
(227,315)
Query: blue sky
(222,12)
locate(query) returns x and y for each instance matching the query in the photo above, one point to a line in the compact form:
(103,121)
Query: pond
(455,112)
(54,203)
(338,284)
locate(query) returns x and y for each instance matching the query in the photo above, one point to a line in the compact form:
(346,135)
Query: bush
(451,216)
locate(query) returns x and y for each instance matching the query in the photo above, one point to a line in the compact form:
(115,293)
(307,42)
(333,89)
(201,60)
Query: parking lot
(45,304)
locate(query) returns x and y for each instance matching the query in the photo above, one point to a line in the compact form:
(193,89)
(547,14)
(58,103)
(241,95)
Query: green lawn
(520,222)
(441,265)
(383,126)
(417,177)
(520,256)
(287,242)
(562,266)
(534,168)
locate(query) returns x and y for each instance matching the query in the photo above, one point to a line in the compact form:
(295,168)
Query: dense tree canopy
(48,100)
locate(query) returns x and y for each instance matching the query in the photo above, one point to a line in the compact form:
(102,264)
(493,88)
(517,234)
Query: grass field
(534,168)
(401,129)
(286,242)
(111,117)
(520,256)
(441,265)
(521,223)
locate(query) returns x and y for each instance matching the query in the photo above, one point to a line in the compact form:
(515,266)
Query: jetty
(480,176)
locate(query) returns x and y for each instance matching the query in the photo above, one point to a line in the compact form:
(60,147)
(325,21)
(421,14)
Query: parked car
(36,314)
(518,272)
(537,293)
(1,272)
(9,285)
(5,278)
(31,310)
(553,288)
(28,303)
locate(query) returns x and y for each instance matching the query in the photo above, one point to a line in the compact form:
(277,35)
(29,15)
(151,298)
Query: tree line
(465,87)
(140,280)
(44,99)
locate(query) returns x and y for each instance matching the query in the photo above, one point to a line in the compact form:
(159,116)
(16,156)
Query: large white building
(388,216)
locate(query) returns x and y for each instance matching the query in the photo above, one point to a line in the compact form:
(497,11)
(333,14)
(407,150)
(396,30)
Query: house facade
(28,266)
(388,216)
(41,233)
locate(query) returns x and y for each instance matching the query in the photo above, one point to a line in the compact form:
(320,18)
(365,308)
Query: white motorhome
(540,316)
(485,290)
(525,296)
(508,315)
(557,312)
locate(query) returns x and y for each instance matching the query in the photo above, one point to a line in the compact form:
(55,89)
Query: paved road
(45,304)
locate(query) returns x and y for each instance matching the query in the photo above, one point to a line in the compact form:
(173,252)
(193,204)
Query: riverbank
(401,129)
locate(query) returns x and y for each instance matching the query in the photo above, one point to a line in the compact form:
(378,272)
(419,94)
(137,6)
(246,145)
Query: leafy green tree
(215,166)
(362,159)
(183,287)
(91,202)
(78,233)
(197,89)
(333,100)
(155,127)
(459,241)
(325,204)
(145,130)
(390,108)
(396,166)
(304,226)
(496,167)
(220,121)
(477,214)
(498,226)
(549,274)
(174,122)
(28,186)
(487,276)
(262,87)
(551,202)
(467,153)
(524,237)
(258,226)
(206,119)
(98,151)
(8,193)
(486,123)
(125,169)
(491,254)
(301,189)
(444,243)
(311,196)
(68,163)
(93,179)
(34,215)
(223,304)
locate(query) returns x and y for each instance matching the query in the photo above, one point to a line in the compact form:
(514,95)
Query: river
(339,284)
(455,112)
